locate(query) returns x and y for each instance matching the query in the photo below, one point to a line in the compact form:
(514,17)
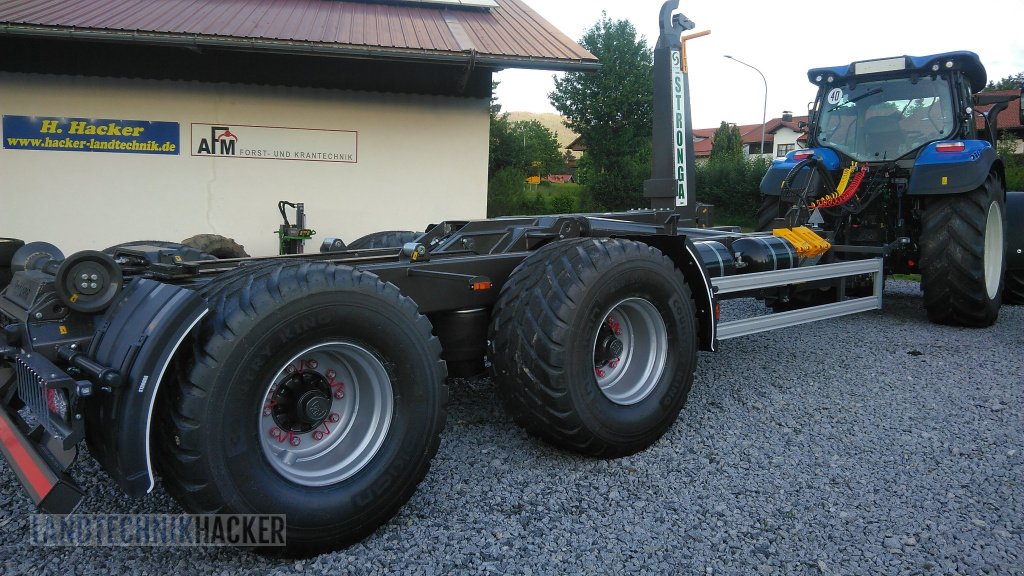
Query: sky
(784,40)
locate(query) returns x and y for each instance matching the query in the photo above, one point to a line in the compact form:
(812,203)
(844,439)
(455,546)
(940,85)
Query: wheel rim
(993,250)
(630,351)
(325,413)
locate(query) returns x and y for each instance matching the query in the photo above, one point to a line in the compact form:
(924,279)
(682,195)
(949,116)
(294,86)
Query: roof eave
(296,47)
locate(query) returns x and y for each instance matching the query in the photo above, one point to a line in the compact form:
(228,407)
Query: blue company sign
(90,135)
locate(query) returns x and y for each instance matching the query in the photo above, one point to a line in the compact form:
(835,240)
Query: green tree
(526,145)
(727,144)
(612,110)
(535,148)
(1013,82)
(729,180)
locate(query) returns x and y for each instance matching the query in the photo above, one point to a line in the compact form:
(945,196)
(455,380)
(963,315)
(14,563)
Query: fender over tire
(593,345)
(247,430)
(963,255)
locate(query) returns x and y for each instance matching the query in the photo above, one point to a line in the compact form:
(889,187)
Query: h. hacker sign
(90,135)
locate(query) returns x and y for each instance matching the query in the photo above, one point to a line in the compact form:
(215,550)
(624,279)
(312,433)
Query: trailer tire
(553,346)
(386,239)
(1013,287)
(963,255)
(312,390)
(219,246)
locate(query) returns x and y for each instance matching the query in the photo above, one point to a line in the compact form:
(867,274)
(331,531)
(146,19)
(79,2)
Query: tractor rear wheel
(772,207)
(217,245)
(330,413)
(593,345)
(963,254)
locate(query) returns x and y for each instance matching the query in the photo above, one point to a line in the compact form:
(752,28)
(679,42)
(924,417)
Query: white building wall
(786,136)
(421,159)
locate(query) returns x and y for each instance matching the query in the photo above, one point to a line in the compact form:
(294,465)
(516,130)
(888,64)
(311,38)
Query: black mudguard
(938,173)
(683,253)
(138,336)
(1015,230)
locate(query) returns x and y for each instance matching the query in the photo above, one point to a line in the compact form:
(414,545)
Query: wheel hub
(609,348)
(630,351)
(302,402)
(326,413)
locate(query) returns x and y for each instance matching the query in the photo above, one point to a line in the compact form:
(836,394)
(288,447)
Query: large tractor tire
(217,245)
(8,246)
(1013,287)
(963,254)
(386,239)
(593,345)
(772,207)
(313,390)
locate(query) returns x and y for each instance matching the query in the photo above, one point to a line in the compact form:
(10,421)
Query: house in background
(781,136)
(161,119)
(1009,119)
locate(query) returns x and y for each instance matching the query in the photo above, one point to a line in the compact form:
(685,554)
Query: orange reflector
(484,285)
(718,311)
(950,147)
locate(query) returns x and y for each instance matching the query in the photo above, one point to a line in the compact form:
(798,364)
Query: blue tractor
(898,166)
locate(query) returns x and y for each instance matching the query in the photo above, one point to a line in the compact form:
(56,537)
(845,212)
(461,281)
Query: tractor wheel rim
(326,413)
(630,351)
(993,250)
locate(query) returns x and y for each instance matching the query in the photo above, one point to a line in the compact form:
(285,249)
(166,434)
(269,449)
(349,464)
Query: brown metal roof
(510,35)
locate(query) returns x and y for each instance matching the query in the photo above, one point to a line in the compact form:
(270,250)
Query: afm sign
(221,141)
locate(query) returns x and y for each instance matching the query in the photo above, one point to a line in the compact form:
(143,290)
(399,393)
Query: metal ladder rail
(774,278)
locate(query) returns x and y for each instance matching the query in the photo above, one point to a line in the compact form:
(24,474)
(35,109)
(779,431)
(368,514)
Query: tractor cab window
(885,119)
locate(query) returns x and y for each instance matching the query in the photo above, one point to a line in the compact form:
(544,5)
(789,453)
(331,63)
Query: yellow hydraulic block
(806,243)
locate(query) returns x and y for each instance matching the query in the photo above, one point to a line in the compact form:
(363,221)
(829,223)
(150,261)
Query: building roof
(508,35)
(750,133)
(1009,119)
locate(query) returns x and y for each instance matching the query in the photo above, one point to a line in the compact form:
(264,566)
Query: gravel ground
(872,444)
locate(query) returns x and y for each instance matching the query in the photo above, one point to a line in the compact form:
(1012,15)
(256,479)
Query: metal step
(776,278)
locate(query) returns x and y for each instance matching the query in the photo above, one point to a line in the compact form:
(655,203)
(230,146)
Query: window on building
(784,149)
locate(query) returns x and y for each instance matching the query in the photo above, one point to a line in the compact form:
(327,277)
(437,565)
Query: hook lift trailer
(314,385)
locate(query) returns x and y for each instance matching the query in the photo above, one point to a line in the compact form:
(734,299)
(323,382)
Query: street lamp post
(764,112)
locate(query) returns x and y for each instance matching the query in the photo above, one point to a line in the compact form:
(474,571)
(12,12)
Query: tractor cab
(884,110)
(907,124)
